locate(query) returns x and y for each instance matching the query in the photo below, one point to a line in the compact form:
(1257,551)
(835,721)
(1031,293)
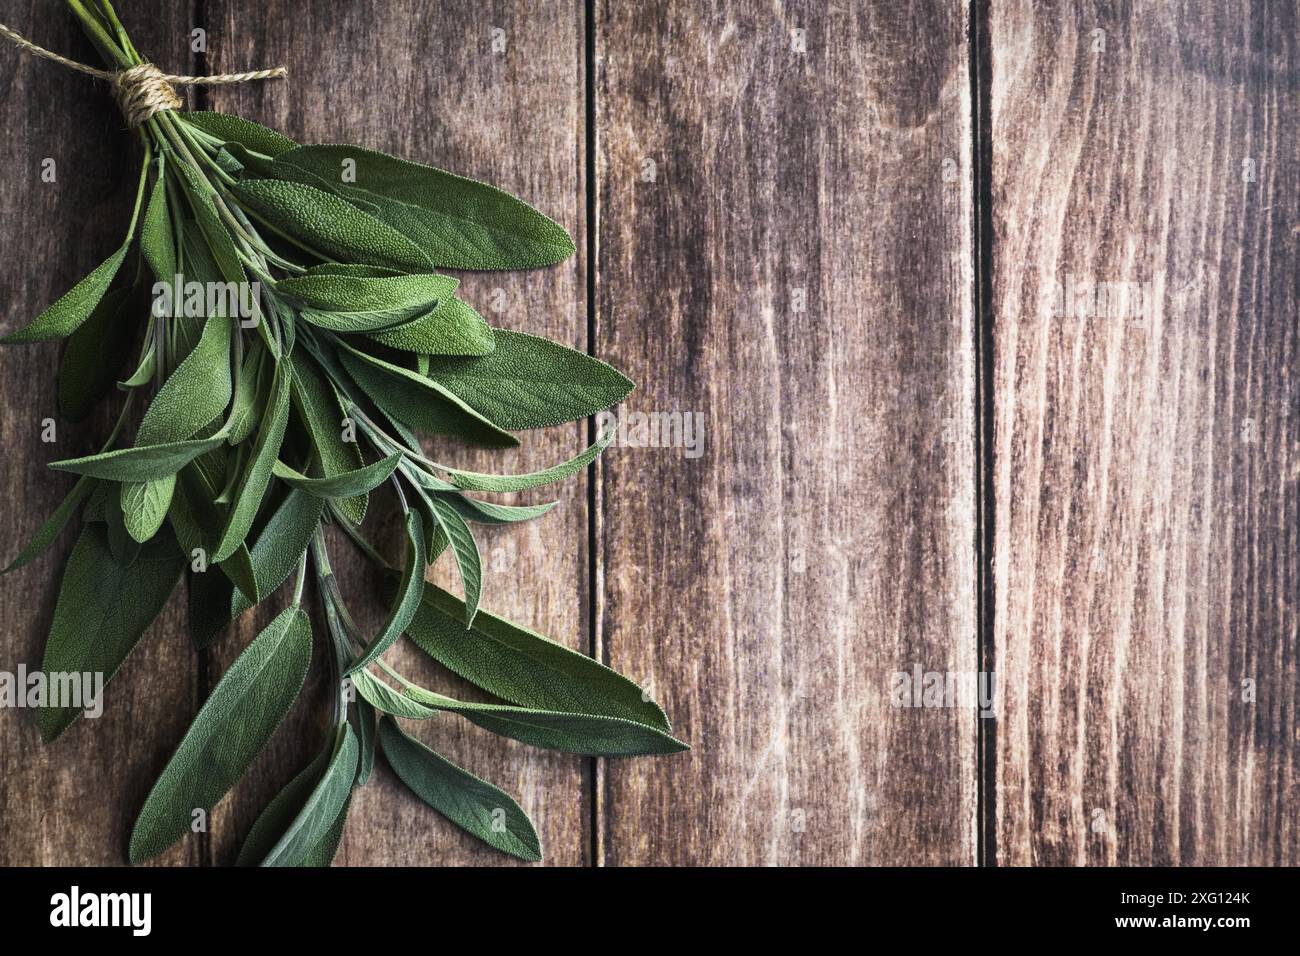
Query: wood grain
(768,589)
(425,82)
(72,801)
(1147,459)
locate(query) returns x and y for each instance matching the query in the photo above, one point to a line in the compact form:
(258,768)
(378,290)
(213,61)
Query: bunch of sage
(276,408)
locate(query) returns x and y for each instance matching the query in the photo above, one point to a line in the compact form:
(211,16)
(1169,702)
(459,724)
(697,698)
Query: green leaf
(322,416)
(323,853)
(531,382)
(460,223)
(143,373)
(366,735)
(207,606)
(217,247)
(468,561)
(252,486)
(231,728)
(235,129)
(196,392)
(315,821)
(408,596)
(419,401)
(349,303)
(523,667)
(592,734)
(349,483)
(472,804)
(244,408)
(94,354)
(280,545)
(157,238)
(280,812)
(382,697)
(103,609)
(329,225)
(54,524)
(145,505)
(476,481)
(489,512)
(453,328)
(75,306)
(192,397)
(146,463)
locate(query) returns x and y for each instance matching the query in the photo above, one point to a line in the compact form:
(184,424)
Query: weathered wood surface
(72,801)
(1147,460)
(824,538)
(799,267)
(423,81)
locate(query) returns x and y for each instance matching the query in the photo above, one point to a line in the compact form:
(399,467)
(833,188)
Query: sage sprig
(299,337)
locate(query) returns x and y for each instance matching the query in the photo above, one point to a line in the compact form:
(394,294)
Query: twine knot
(143,91)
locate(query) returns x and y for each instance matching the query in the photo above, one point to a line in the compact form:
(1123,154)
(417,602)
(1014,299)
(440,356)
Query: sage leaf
(144,506)
(276,817)
(319,813)
(408,596)
(192,397)
(420,401)
(460,223)
(329,225)
(366,735)
(477,481)
(53,525)
(157,238)
(257,476)
(217,246)
(144,372)
(207,606)
(327,847)
(231,728)
(523,667)
(103,609)
(279,546)
(489,512)
(322,416)
(345,485)
(463,545)
(453,328)
(94,354)
(235,129)
(594,735)
(145,463)
(244,409)
(75,306)
(382,697)
(472,804)
(349,303)
(531,382)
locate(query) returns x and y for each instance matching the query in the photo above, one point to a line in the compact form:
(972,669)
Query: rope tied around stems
(142,91)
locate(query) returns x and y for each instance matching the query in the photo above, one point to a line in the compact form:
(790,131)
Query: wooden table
(837,233)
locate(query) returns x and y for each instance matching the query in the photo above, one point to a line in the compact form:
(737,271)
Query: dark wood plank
(1147,542)
(424,83)
(824,539)
(72,802)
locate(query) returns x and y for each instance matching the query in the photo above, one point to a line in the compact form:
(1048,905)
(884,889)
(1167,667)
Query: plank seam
(595,473)
(981,74)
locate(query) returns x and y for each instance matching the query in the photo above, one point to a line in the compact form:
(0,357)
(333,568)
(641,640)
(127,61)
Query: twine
(142,91)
